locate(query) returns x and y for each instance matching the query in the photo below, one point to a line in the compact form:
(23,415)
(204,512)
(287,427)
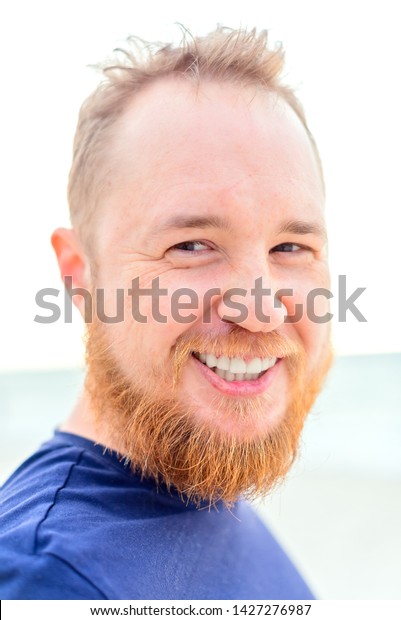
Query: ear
(72,261)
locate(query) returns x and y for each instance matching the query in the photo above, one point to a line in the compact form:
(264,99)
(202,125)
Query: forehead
(180,146)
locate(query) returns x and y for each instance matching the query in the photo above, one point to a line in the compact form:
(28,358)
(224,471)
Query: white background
(343,57)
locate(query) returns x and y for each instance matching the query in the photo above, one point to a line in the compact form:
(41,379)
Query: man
(196,198)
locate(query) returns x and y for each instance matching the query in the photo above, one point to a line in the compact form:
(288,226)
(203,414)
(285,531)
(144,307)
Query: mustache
(236,343)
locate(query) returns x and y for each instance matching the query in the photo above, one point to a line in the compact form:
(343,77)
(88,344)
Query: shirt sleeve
(44,577)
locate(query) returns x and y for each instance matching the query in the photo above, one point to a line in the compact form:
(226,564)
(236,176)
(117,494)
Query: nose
(252,303)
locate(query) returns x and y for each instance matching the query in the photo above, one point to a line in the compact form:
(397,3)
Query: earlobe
(73,262)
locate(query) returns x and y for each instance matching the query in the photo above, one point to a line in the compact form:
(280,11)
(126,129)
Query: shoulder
(27,499)
(30,494)
(44,577)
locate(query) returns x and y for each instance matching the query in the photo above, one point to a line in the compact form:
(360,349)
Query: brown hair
(224,55)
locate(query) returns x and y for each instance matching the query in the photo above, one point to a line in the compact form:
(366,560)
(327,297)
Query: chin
(245,419)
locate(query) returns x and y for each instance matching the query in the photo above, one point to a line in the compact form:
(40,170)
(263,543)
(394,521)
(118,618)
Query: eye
(288,247)
(190,246)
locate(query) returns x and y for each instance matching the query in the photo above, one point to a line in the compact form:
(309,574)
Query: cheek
(180,301)
(152,323)
(142,351)
(316,340)
(309,317)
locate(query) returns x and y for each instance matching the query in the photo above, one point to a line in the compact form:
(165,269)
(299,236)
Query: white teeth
(223,363)
(237,365)
(268,362)
(254,365)
(220,372)
(229,376)
(236,369)
(210,360)
(250,376)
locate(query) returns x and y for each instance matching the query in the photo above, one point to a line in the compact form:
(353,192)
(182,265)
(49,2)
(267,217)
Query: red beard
(162,437)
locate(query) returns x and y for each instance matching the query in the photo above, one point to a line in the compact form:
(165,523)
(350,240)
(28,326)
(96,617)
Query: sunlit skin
(213,150)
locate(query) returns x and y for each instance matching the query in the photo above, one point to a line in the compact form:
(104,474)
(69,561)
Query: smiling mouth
(236,368)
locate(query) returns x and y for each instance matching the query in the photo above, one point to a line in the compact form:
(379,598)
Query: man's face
(209,189)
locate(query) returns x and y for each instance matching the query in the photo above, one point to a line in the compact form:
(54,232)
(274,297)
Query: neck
(82,422)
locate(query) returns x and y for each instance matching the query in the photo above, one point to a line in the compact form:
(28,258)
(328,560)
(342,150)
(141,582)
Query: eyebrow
(188,221)
(295,227)
(301,227)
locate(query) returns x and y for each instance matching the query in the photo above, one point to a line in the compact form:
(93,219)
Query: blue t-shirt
(77,524)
